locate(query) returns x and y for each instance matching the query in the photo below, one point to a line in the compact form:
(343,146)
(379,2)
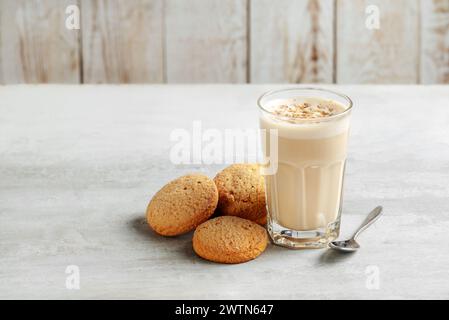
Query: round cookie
(229,239)
(182,204)
(241,192)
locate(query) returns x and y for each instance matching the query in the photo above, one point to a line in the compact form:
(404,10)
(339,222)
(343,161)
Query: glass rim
(338,115)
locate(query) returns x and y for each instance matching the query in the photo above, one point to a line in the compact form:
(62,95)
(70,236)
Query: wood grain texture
(261,41)
(435,41)
(122,41)
(385,55)
(292,41)
(206,41)
(35,45)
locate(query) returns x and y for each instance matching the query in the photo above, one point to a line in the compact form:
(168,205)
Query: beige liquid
(305,193)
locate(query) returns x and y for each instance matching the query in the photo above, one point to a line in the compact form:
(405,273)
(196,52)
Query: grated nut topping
(305,110)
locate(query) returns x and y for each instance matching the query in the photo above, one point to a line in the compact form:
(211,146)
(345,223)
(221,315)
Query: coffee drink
(304,196)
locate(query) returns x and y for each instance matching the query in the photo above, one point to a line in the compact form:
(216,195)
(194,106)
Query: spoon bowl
(351,245)
(345,245)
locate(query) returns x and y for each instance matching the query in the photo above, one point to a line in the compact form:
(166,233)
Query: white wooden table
(78,165)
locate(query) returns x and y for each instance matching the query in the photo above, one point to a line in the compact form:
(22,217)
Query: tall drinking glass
(304,196)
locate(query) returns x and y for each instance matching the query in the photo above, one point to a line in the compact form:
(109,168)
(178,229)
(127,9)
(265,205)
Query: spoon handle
(372,216)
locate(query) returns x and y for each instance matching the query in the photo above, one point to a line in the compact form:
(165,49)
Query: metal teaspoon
(351,244)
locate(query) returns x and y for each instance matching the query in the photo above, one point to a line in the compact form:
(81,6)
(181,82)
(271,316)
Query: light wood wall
(224,41)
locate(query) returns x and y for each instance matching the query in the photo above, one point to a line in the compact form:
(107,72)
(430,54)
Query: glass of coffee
(304,195)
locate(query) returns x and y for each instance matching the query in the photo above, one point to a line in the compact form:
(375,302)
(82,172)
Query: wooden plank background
(435,41)
(206,41)
(35,46)
(224,41)
(292,41)
(122,41)
(385,55)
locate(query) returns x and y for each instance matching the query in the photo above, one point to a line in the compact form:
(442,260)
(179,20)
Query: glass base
(310,239)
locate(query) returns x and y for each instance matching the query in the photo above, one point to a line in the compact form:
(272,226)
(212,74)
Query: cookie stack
(236,195)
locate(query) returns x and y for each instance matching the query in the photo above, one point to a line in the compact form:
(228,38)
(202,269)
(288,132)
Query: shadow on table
(322,256)
(181,244)
(140,226)
(332,256)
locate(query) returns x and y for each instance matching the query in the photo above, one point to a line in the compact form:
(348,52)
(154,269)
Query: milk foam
(309,128)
